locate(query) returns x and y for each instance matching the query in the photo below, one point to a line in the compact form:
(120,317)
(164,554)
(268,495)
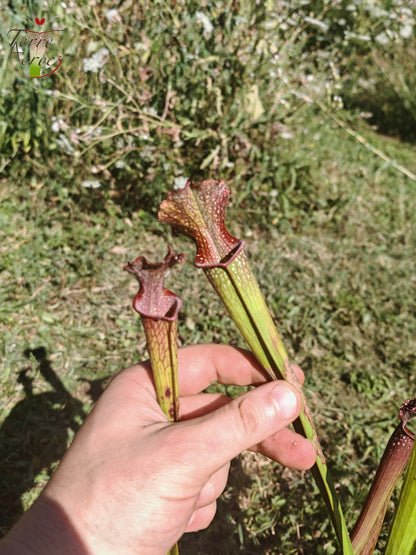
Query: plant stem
(162,339)
(241,295)
(174,550)
(162,345)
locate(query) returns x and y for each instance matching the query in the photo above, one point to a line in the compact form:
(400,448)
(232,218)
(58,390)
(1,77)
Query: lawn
(329,222)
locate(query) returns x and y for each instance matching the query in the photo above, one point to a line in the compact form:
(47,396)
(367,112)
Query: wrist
(43,530)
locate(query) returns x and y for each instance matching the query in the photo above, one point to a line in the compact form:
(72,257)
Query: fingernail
(286,400)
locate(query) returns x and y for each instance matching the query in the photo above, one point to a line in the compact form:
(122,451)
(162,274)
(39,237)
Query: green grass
(330,232)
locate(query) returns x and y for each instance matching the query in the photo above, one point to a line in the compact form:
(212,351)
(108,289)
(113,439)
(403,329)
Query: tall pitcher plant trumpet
(198,211)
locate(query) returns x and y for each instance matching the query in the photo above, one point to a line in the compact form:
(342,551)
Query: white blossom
(382,38)
(113,16)
(180,182)
(317,23)
(64,143)
(205,21)
(91,184)
(406,31)
(96,61)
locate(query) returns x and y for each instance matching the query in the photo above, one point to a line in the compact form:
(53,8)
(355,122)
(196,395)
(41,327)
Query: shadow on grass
(35,435)
(228,533)
(222,534)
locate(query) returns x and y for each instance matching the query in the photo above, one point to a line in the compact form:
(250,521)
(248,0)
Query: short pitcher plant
(158,308)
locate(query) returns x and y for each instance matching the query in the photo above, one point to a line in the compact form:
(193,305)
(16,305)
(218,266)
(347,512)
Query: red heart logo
(39,22)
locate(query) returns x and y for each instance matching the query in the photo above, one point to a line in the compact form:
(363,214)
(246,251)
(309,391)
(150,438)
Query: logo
(36,52)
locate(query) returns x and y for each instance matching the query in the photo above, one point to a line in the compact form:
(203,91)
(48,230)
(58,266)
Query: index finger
(202,365)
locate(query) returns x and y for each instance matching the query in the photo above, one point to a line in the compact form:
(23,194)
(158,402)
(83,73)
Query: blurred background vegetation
(307,109)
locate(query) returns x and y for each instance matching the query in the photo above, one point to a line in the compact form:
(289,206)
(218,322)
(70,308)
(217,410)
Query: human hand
(132,482)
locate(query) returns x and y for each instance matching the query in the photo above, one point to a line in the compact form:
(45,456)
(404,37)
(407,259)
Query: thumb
(218,437)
